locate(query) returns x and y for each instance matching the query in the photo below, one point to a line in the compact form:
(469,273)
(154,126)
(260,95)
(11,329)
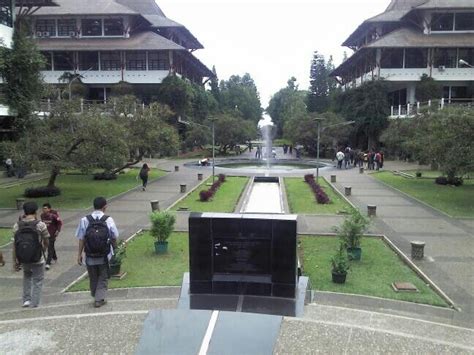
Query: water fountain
(266,128)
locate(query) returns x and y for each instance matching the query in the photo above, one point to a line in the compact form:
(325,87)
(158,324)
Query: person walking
(30,241)
(143,174)
(340,158)
(53,222)
(97,235)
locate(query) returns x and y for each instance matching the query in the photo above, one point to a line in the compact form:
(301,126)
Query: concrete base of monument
(291,307)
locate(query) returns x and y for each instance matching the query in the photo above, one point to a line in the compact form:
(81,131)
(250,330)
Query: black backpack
(97,237)
(28,246)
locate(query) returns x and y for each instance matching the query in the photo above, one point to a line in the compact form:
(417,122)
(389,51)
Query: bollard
(417,249)
(19,203)
(361,170)
(199,177)
(333,178)
(182,188)
(155,205)
(371,210)
(176,168)
(347,190)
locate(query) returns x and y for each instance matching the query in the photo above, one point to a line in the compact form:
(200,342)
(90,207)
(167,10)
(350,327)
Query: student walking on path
(143,174)
(30,242)
(52,220)
(97,235)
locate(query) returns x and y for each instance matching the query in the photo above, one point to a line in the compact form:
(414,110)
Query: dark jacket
(52,221)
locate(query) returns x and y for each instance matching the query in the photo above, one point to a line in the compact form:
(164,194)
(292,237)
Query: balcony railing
(410,110)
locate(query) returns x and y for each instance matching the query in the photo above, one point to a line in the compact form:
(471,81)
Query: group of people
(371,160)
(287,149)
(34,236)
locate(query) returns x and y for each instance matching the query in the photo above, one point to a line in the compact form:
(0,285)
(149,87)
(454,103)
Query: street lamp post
(213,120)
(463,62)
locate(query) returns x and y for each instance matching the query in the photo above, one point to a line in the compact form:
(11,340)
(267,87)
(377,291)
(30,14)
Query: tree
(197,136)
(66,139)
(177,94)
(203,103)
(240,95)
(286,104)
(231,130)
(214,84)
(20,69)
(147,130)
(317,100)
(445,138)
(428,89)
(368,106)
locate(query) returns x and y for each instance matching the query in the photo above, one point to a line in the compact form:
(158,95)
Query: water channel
(264,196)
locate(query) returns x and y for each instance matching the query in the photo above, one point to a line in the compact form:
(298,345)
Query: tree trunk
(54,174)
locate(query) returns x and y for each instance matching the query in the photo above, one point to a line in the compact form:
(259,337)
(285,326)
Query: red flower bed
(206,195)
(321,196)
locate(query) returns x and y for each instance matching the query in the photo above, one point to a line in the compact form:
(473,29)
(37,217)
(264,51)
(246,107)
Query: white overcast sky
(270,39)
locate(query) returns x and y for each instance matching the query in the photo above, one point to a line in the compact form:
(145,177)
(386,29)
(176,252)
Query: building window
(392,58)
(48,60)
(113,27)
(136,60)
(442,22)
(110,61)
(158,60)
(6,17)
(464,21)
(45,28)
(88,60)
(416,58)
(91,27)
(67,27)
(446,57)
(63,61)
(466,54)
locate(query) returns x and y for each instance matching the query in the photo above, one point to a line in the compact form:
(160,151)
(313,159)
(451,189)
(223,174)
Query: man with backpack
(97,235)
(30,242)
(51,218)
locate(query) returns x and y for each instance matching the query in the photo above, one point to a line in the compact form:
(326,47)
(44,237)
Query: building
(409,39)
(7,21)
(105,42)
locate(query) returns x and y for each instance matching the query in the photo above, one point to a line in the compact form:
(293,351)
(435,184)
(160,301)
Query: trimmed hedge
(105,176)
(42,191)
(206,195)
(319,194)
(443,180)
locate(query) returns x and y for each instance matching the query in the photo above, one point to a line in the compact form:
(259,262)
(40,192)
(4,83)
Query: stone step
(81,307)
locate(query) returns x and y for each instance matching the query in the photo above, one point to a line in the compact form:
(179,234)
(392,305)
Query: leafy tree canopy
(231,130)
(428,89)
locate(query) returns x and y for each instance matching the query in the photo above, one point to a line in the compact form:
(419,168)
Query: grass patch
(5,236)
(432,174)
(145,268)
(371,276)
(301,199)
(224,200)
(78,191)
(455,201)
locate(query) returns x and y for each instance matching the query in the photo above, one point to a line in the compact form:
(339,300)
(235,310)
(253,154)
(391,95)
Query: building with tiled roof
(409,39)
(112,41)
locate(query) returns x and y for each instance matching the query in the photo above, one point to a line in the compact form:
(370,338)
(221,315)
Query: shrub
(42,191)
(443,180)
(206,195)
(120,252)
(105,176)
(221,178)
(162,225)
(321,196)
(352,229)
(340,262)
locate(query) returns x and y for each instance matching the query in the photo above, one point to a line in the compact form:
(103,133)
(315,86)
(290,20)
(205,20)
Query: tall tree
(20,69)
(177,93)
(428,89)
(231,130)
(240,94)
(214,84)
(318,100)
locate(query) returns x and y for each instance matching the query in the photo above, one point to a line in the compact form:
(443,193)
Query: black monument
(243,254)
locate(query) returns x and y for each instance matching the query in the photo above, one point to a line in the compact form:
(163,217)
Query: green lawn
(301,198)
(371,276)
(455,201)
(5,236)
(145,268)
(432,173)
(225,199)
(78,191)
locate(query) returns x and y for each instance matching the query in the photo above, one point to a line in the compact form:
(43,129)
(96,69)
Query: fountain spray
(266,128)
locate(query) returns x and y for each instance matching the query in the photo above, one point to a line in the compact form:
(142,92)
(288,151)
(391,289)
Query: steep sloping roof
(141,41)
(35,3)
(444,4)
(404,4)
(405,38)
(144,7)
(86,7)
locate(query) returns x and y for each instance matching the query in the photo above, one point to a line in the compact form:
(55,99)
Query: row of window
(68,61)
(88,27)
(394,58)
(459,21)
(6,14)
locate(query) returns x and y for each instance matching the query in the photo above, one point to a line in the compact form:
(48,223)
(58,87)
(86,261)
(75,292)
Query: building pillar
(378,59)
(411,91)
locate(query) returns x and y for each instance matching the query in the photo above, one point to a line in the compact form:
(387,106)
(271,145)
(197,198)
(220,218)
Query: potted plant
(351,231)
(162,225)
(340,265)
(120,252)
